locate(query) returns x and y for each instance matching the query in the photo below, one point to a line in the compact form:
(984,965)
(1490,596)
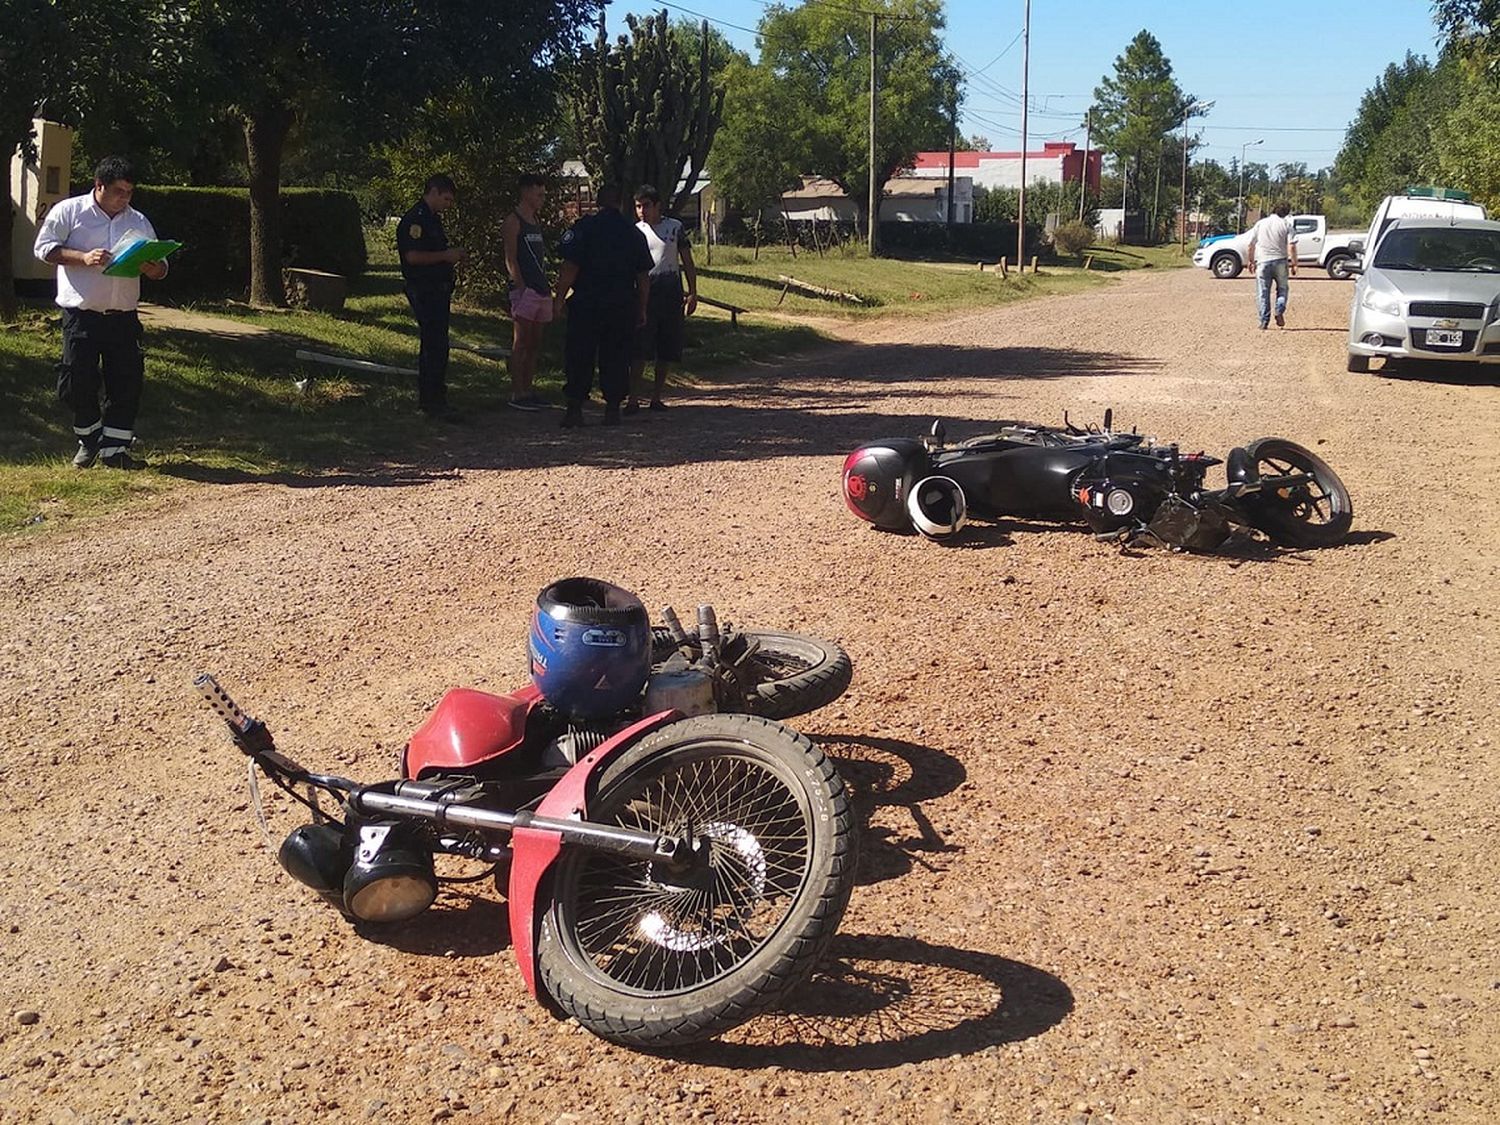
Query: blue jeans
(1265,273)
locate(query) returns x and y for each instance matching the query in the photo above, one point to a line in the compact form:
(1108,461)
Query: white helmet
(937,506)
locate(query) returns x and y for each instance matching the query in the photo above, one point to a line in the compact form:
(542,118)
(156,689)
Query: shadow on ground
(1453,373)
(892,773)
(881,1002)
(815,404)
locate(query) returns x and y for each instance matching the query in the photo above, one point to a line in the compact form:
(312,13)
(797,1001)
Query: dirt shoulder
(1149,838)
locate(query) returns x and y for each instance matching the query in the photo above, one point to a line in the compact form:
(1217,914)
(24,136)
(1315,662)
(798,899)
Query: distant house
(906,199)
(1057,162)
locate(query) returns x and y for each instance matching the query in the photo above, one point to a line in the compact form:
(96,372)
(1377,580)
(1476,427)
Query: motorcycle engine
(677,685)
(1113,504)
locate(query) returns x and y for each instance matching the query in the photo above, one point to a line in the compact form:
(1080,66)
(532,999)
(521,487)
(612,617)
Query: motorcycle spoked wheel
(791,674)
(650,965)
(1313,515)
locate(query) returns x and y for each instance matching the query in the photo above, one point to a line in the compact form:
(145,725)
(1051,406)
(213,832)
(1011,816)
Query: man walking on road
(100,326)
(1271,256)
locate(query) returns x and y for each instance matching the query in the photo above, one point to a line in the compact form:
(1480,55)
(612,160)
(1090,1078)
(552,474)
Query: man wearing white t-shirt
(1270,256)
(660,339)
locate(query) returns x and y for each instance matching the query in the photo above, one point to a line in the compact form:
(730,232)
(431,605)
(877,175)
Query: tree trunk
(8,305)
(265,137)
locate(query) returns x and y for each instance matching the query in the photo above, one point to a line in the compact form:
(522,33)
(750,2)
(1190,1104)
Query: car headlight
(1381,302)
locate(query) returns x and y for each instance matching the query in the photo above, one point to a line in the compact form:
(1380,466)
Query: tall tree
(1355,165)
(645,108)
(819,55)
(269,62)
(1135,111)
(757,155)
(1472,29)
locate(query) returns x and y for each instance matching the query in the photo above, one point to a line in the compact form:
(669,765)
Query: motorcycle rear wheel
(791,673)
(1315,515)
(647,964)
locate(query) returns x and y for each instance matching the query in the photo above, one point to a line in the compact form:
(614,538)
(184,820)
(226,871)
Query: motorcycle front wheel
(653,960)
(1317,514)
(790,673)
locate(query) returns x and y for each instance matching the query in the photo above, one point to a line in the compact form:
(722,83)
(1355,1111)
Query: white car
(1314,243)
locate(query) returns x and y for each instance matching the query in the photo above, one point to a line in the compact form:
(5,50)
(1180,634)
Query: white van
(1420,203)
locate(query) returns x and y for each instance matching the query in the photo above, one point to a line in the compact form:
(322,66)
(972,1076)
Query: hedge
(980,241)
(320,229)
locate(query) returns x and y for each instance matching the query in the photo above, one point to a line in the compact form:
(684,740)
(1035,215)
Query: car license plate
(1441,338)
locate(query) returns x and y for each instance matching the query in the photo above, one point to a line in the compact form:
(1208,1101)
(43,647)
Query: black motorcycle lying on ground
(1124,485)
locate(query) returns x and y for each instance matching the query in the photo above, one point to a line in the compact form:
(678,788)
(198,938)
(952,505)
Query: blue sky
(1289,74)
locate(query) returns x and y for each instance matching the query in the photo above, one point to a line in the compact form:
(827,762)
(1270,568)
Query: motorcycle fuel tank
(1016,479)
(468,728)
(877,478)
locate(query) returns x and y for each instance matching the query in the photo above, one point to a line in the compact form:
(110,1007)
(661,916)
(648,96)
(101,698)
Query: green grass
(229,408)
(887,286)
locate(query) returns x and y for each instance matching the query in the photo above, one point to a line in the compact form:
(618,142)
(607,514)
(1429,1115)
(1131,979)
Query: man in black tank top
(530,290)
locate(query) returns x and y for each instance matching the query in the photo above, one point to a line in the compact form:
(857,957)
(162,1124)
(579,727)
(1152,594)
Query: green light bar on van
(1439,193)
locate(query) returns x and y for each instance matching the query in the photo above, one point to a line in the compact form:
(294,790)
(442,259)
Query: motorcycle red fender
(534,850)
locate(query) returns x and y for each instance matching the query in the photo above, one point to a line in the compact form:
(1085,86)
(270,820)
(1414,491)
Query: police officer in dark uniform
(427,263)
(606,264)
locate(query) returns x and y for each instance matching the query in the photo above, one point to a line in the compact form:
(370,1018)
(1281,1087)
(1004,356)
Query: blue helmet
(590,647)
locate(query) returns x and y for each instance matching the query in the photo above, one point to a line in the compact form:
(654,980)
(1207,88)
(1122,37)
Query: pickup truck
(1315,244)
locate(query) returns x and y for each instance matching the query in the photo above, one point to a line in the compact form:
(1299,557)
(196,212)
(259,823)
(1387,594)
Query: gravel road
(1150,837)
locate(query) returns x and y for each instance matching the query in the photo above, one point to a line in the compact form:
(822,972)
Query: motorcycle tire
(1303,519)
(792,674)
(650,965)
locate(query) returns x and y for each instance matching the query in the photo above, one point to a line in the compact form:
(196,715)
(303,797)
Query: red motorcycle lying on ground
(673,867)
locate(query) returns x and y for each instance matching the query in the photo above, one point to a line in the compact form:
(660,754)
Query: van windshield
(1445,249)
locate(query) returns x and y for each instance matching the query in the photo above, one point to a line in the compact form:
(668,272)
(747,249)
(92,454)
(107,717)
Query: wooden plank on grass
(817,290)
(355,364)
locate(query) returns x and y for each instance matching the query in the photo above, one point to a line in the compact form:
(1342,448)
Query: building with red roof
(1057,162)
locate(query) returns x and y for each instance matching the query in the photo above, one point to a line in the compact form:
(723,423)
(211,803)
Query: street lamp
(1240,222)
(1194,107)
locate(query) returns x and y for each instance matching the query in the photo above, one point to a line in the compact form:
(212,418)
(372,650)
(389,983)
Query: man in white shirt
(100,325)
(1270,256)
(660,339)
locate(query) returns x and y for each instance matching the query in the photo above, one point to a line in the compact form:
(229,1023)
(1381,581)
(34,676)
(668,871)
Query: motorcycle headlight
(1379,302)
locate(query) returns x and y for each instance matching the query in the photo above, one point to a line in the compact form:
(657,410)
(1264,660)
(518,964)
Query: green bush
(1073,237)
(320,230)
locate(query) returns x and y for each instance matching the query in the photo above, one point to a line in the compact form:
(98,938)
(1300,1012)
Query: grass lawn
(221,404)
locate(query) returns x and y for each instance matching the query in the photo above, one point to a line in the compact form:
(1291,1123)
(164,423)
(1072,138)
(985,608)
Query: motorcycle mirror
(939,431)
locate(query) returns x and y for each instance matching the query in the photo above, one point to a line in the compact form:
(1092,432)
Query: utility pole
(952,147)
(1083,176)
(1021,202)
(1240,222)
(1195,107)
(873,216)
